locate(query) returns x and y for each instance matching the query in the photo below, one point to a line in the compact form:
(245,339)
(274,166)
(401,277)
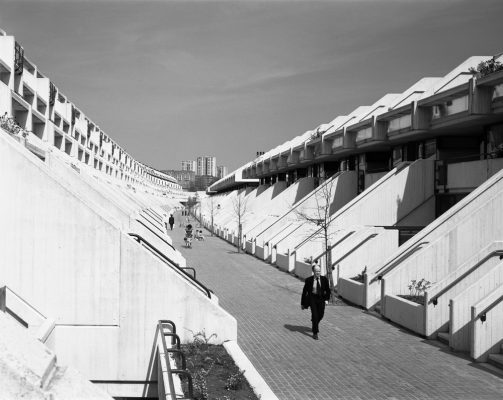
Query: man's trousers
(317,305)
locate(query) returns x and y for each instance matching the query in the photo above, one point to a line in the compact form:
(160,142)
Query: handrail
(367,192)
(167,260)
(361,243)
(335,244)
(305,198)
(396,260)
(282,231)
(160,327)
(494,303)
(159,216)
(190,268)
(306,240)
(156,219)
(145,215)
(155,233)
(434,299)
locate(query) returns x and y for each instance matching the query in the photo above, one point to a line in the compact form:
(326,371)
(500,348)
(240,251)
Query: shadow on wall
(416,206)
(278,188)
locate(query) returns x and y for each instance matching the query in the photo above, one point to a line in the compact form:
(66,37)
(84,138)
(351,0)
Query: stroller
(188,236)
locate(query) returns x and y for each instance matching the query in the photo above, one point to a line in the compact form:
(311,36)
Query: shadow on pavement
(297,328)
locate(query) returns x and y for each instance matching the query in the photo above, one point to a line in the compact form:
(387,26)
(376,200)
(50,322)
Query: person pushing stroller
(188,235)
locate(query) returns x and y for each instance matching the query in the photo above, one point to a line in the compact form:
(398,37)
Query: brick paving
(359,355)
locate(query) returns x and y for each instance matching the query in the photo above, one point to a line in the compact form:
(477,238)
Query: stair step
(443,337)
(491,368)
(496,359)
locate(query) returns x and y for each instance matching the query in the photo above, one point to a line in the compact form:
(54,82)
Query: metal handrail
(397,260)
(142,214)
(149,213)
(335,244)
(434,299)
(362,195)
(361,243)
(159,216)
(192,269)
(155,233)
(160,327)
(305,198)
(167,260)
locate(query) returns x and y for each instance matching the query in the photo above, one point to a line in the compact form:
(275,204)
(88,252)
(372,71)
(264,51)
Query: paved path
(358,356)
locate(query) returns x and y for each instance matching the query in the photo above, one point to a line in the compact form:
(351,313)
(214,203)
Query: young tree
(211,204)
(318,216)
(239,206)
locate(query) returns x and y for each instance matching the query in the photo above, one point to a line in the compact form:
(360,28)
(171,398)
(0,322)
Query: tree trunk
(328,263)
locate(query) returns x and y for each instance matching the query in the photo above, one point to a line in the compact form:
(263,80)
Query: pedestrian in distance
(314,295)
(171,221)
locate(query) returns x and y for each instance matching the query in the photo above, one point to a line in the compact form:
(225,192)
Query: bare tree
(212,212)
(239,206)
(319,217)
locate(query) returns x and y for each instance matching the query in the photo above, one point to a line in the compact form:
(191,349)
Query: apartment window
(4,74)
(66,127)
(57,119)
(41,106)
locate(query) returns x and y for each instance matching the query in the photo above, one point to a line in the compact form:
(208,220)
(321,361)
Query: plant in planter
(360,276)
(308,260)
(486,67)
(214,373)
(417,288)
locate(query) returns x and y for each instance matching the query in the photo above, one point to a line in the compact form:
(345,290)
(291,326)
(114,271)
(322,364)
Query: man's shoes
(315,336)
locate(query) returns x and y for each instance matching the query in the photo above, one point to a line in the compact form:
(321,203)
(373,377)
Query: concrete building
(202,182)
(186,179)
(221,171)
(409,188)
(206,165)
(189,166)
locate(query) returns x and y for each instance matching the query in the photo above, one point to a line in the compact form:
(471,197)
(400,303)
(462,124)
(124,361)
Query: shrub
(235,380)
(486,67)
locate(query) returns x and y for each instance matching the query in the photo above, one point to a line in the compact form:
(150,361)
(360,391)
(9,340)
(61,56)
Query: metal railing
(156,234)
(333,246)
(494,253)
(175,340)
(151,213)
(147,218)
(396,261)
(169,261)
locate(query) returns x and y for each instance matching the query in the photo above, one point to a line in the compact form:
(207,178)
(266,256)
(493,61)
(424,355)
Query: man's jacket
(308,290)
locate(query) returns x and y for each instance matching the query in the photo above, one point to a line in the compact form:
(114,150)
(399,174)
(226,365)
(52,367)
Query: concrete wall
(104,290)
(453,238)
(487,336)
(460,307)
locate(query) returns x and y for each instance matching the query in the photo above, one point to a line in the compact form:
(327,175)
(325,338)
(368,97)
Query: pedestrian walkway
(359,355)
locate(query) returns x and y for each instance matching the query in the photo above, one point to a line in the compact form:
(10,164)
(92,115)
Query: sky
(174,80)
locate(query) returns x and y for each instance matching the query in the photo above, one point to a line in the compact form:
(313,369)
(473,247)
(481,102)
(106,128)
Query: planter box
(351,291)
(405,313)
(303,270)
(283,262)
(249,245)
(260,252)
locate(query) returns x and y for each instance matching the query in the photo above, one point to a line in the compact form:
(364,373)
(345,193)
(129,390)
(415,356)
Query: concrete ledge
(259,386)
(352,291)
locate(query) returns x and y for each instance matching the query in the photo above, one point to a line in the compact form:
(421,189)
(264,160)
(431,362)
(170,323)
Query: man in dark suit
(316,291)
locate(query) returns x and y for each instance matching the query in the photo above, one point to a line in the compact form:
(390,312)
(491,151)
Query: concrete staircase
(497,359)
(443,337)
